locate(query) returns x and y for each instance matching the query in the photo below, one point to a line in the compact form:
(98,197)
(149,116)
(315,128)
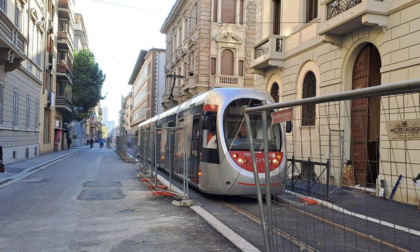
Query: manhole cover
(31,180)
(102,184)
(101,194)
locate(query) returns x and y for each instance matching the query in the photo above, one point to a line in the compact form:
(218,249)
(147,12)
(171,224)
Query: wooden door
(365,118)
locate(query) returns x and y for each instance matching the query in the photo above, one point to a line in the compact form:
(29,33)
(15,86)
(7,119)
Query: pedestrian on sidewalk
(68,142)
(91,143)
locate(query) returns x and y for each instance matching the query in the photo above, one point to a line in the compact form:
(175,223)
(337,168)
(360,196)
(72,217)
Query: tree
(87,84)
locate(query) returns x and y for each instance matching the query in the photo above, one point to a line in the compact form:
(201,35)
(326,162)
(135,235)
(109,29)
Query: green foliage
(88,79)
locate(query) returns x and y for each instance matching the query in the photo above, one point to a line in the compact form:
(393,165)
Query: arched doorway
(365,119)
(275,92)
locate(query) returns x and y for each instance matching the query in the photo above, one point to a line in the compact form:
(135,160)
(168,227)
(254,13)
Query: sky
(117,31)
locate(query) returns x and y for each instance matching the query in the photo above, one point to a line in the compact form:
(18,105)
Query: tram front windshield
(234,128)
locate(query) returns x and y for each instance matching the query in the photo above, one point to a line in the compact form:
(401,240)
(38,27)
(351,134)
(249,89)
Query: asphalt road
(93,201)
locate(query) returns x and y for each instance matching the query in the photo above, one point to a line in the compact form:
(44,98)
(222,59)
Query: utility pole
(171,96)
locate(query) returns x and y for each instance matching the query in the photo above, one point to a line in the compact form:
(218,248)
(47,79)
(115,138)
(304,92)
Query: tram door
(195,150)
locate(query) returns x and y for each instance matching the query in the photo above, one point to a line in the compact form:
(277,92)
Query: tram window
(234,121)
(209,132)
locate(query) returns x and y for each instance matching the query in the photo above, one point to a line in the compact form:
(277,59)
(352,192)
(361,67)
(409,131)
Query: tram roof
(200,99)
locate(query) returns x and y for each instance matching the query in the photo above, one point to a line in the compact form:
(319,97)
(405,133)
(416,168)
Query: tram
(203,141)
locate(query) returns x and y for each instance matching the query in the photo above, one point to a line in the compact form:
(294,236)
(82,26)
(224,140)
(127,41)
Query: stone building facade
(209,45)
(22,63)
(148,80)
(330,44)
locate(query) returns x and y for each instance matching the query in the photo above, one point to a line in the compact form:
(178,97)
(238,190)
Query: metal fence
(162,158)
(359,158)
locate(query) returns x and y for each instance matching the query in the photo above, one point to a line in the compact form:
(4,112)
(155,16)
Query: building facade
(309,48)
(22,62)
(77,130)
(209,45)
(148,80)
(56,92)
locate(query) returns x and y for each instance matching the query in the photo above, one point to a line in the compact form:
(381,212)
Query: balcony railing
(339,6)
(63,103)
(269,52)
(339,20)
(64,40)
(13,43)
(230,80)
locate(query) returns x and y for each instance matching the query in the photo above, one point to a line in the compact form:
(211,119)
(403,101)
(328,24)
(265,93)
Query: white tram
(218,159)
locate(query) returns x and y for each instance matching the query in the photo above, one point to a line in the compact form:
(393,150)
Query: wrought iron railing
(339,6)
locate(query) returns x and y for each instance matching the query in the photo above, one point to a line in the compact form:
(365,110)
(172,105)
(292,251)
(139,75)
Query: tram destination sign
(282,116)
(403,130)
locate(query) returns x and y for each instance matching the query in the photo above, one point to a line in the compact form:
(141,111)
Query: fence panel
(352,158)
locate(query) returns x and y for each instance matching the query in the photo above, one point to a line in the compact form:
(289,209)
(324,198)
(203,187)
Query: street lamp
(171,97)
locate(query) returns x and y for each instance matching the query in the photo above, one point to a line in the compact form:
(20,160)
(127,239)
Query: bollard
(1,160)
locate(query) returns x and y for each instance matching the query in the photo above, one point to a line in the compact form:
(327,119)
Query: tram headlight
(235,155)
(245,161)
(200,173)
(162,158)
(279,156)
(275,161)
(240,160)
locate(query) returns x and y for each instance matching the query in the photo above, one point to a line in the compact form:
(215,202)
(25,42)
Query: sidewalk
(366,206)
(18,169)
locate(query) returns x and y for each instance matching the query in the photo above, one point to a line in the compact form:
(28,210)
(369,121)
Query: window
(1,102)
(193,16)
(36,115)
(311,10)
(276,16)
(63,25)
(39,49)
(28,111)
(241,12)
(215,10)
(46,125)
(213,66)
(18,15)
(15,107)
(227,62)
(62,56)
(3,5)
(241,68)
(275,92)
(309,90)
(228,11)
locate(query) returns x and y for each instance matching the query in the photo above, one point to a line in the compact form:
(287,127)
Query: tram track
(304,246)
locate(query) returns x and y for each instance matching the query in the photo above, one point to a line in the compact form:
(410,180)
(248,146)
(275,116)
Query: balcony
(269,53)
(64,9)
(343,16)
(12,44)
(64,41)
(64,72)
(63,103)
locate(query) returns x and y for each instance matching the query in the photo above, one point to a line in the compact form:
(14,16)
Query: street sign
(282,116)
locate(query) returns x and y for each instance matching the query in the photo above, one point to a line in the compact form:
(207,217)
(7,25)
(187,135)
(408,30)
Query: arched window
(309,90)
(275,92)
(227,62)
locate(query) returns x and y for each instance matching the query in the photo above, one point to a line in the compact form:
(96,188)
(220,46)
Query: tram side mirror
(289,126)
